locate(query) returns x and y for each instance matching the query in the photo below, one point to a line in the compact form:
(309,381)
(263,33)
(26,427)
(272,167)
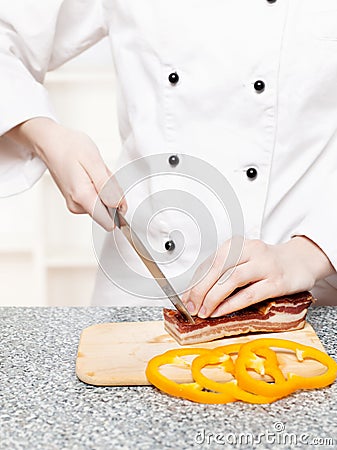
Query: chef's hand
(75,165)
(263,271)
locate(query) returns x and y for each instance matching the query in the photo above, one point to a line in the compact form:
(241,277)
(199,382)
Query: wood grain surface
(116,354)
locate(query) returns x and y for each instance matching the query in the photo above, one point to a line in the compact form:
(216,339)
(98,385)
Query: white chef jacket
(256,90)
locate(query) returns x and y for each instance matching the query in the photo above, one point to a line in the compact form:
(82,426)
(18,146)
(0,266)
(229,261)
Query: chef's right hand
(76,167)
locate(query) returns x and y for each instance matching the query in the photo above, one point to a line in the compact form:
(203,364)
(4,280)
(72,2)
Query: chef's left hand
(263,271)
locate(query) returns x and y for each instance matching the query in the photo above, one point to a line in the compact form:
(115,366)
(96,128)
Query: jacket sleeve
(320,222)
(36,36)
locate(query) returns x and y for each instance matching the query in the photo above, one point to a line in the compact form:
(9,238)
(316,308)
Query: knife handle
(115,215)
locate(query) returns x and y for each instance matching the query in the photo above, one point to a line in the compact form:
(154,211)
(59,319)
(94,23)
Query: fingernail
(203,312)
(190,307)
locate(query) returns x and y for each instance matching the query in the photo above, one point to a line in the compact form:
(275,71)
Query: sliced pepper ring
(293,382)
(231,387)
(190,391)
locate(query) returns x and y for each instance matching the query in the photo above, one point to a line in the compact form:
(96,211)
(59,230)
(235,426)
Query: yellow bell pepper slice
(189,391)
(231,387)
(293,382)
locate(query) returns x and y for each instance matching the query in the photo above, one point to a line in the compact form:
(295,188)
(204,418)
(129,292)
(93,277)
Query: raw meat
(274,315)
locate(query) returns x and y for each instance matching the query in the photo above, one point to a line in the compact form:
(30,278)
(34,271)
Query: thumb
(112,195)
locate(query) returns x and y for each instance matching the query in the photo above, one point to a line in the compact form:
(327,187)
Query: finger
(219,266)
(99,216)
(242,275)
(104,182)
(250,295)
(112,195)
(123,206)
(96,170)
(206,275)
(91,204)
(75,208)
(102,216)
(85,196)
(201,271)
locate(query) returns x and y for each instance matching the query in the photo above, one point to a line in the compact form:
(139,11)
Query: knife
(152,266)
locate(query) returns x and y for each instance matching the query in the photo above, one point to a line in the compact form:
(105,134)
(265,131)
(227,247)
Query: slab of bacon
(274,315)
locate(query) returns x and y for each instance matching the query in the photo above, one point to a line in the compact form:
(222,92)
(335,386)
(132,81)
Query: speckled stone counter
(44,406)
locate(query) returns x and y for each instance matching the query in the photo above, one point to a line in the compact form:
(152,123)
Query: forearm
(35,133)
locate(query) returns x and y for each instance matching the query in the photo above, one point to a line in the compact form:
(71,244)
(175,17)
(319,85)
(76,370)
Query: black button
(259,86)
(251,173)
(173,78)
(271,1)
(173,160)
(170,246)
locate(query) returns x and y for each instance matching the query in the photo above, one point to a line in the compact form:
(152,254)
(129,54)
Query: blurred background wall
(46,254)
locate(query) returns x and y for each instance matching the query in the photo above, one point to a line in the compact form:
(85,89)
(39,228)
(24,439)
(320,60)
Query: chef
(247,85)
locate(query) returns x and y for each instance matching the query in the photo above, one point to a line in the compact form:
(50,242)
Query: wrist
(312,257)
(40,132)
(35,134)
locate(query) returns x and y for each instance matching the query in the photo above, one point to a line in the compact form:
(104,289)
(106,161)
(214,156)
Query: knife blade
(147,259)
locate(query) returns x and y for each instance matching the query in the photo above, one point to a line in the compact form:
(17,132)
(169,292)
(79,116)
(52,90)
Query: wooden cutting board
(116,354)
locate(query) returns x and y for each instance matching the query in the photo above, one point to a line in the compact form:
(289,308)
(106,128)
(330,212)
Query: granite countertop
(44,406)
